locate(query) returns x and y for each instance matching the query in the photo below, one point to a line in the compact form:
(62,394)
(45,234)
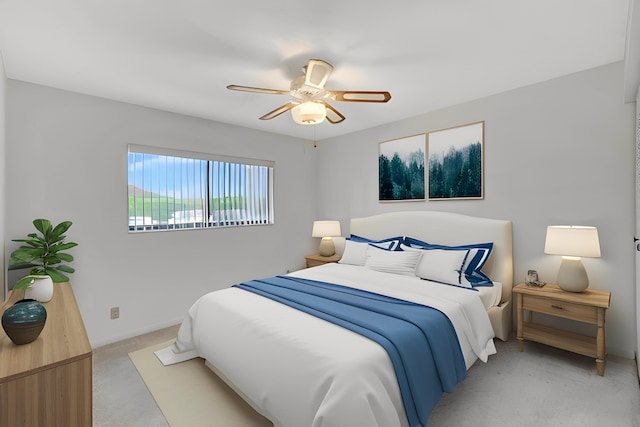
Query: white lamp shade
(572,240)
(326,229)
(309,113)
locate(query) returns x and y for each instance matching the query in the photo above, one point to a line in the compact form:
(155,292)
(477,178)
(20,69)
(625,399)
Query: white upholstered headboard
(447,228)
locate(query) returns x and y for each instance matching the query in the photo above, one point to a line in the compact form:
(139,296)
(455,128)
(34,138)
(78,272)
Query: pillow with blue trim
(476,257)
(395,241)
(440,265)
(355,252)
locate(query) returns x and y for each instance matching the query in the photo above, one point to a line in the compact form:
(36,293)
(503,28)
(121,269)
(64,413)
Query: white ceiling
(179,56)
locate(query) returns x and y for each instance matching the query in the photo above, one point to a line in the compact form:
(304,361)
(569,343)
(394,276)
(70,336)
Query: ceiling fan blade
(257,89)
(355,96)
(333,115)
(275,113)
(317,73)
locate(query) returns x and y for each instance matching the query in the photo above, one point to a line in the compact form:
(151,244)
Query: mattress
(298,370)
(490,295)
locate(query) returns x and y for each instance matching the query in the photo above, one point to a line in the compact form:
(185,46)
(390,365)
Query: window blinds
(174,189)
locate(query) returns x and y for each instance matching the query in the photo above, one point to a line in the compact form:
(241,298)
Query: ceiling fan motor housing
(304,92)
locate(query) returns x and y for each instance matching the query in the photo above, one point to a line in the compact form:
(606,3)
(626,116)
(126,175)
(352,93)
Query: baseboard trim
(134,333)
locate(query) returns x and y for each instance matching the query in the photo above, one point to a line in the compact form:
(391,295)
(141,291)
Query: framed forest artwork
(401,173)
(456,162)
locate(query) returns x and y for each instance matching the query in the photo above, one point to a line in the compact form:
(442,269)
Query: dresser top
(63,339)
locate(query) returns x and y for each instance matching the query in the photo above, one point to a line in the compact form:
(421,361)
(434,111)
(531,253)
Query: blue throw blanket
(421,341)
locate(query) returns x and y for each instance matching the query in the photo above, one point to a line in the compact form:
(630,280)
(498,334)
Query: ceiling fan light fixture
(309,113)
(309,99)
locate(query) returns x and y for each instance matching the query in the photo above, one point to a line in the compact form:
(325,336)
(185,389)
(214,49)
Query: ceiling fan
(309,98)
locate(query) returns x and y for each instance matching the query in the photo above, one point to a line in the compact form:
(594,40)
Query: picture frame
(401,169)
(455,158)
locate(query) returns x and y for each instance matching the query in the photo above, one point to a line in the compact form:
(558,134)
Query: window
(173,189)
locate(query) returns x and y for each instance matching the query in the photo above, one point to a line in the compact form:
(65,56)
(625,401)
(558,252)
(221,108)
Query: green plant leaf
(23,283)
(65,268)
(63,246)
(32,242)
(65,257)
(26,254)
(21,265)
(56,276)
(43,226)
(59,230)
(38,270)
(51,258)
(35,237)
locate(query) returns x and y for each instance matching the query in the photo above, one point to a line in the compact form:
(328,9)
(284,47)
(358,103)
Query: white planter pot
(41,290)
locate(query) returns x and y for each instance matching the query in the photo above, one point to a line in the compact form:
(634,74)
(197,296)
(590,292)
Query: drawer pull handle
(558,307)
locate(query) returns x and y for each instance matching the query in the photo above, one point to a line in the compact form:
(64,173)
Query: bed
(297,369)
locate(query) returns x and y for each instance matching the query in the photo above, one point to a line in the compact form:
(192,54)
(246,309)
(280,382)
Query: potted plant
(44,255)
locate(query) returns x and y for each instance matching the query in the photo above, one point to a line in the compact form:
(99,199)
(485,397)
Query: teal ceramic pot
(24,321)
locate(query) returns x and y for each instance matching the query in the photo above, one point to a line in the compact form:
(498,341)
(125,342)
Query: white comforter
(298,370)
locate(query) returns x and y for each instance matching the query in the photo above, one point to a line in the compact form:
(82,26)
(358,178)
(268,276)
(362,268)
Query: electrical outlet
(115,312)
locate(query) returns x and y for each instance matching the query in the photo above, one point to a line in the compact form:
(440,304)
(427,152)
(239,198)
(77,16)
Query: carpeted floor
(120,397)
(540,387)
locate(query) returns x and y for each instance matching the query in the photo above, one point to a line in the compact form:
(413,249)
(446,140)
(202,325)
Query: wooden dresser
(48,382)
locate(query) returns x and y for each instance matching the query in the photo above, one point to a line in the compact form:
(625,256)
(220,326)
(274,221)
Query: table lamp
(572,242)
(326,230)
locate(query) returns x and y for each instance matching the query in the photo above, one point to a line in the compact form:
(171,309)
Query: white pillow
(396,262)
(441,265)
(355,253)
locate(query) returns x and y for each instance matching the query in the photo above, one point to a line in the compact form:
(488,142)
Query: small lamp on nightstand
(326,230)
(572,242)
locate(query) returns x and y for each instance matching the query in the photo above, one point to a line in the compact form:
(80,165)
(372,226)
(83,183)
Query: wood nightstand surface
(317,259)
(588,307)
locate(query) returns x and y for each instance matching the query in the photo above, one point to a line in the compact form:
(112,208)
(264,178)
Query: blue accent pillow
(477,257)
(395,246)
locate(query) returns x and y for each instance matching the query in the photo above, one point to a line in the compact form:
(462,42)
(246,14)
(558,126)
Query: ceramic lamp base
(572,276)
(327,248)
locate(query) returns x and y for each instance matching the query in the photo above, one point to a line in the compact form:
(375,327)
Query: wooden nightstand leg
(519,323)
(601,347)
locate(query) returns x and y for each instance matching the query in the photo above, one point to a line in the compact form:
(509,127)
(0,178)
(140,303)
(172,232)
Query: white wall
(68,161)
(558,152)
(3,85)
(637,229)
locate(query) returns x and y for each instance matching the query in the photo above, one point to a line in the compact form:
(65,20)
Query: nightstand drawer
(314,263)
(317,259)
(581,313)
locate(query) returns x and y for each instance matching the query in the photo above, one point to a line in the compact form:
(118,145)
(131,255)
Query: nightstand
(589,306)
(317,259)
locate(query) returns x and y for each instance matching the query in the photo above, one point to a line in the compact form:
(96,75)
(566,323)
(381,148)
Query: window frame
(207,193)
